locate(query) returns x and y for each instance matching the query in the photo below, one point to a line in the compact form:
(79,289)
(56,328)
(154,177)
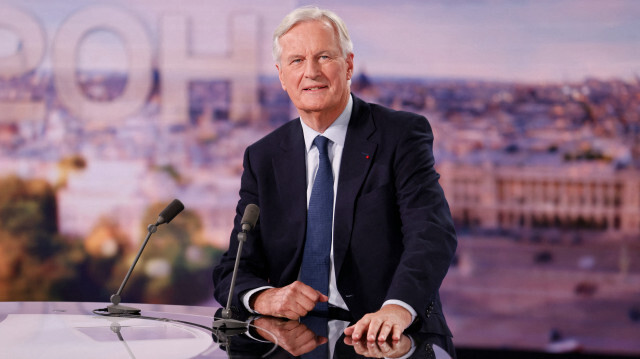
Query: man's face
(313,70)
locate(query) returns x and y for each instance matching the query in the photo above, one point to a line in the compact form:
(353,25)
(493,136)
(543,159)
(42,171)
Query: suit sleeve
(251,270)
(428,235)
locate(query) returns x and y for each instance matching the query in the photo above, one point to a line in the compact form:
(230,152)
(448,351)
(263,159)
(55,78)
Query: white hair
(311,13)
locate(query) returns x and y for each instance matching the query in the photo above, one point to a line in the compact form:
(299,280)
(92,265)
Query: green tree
(175,267)
(28,239)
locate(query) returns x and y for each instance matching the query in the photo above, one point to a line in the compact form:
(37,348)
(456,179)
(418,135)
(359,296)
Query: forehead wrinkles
(311,39)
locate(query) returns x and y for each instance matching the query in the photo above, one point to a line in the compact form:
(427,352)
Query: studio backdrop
(109,110)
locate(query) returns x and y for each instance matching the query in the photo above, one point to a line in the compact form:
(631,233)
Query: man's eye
(296,61)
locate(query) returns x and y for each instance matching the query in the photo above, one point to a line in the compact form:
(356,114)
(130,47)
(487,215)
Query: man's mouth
(314,88)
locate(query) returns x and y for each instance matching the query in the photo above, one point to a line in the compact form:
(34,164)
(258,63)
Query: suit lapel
(290,176)
(357,156)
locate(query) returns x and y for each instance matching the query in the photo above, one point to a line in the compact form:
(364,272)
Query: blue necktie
(315,259)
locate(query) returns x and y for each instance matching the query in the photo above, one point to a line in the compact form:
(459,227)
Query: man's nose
(312,69)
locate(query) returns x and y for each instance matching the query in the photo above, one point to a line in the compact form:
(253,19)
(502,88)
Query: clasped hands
(297,299)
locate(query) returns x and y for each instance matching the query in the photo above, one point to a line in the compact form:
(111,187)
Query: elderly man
(352,218)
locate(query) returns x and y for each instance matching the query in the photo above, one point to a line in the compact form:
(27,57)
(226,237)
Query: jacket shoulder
(397,117)
(391,123)
(279,136)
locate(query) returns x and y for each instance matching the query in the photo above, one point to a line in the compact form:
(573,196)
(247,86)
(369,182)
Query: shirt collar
(337,132)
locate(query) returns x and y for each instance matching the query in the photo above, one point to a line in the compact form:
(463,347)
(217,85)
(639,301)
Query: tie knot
(321,143)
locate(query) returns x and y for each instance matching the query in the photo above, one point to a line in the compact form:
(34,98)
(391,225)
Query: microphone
(170,212)
(248,222)
(250,217)
(167,214)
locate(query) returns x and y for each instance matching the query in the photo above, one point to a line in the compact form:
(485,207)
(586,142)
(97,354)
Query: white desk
(70,330)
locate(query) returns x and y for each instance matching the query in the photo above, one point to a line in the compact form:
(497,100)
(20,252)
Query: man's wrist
(249,297)
(404,305)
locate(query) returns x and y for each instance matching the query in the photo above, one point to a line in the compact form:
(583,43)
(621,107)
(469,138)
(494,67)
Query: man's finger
(313,296)
(357,330)
(397,332)
(322,297)
(385,329)
(290,314)
(290,309)
(374,328)
(304,289)
(306,304)
(301,306)
(347,339)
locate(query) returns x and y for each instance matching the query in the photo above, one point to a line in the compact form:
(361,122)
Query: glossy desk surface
(72,330)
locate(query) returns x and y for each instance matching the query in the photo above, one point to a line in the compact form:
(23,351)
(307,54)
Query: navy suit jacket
(393,233)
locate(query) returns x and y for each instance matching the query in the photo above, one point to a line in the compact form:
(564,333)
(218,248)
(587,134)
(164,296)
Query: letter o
(139,55)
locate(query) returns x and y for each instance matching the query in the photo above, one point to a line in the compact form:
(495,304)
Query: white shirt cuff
(247,297)
(403,305)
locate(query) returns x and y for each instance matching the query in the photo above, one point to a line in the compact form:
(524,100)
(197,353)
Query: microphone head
(170,212)
(250,217)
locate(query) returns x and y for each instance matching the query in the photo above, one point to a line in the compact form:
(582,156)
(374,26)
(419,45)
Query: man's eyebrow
(316,54)
(326,51)
(293,57)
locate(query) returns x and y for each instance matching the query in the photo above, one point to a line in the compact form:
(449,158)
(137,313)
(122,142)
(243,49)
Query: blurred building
(537,197)
(106,189)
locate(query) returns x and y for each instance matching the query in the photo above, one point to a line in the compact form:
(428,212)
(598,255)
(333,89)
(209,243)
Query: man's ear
(280,77)
(349,60)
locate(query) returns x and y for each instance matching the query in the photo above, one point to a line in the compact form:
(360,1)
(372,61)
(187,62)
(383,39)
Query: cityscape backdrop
(109,110)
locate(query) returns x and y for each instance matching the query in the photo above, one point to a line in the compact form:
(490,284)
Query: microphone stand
(227,323)
(115,327)
(167,214)
(115,307)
